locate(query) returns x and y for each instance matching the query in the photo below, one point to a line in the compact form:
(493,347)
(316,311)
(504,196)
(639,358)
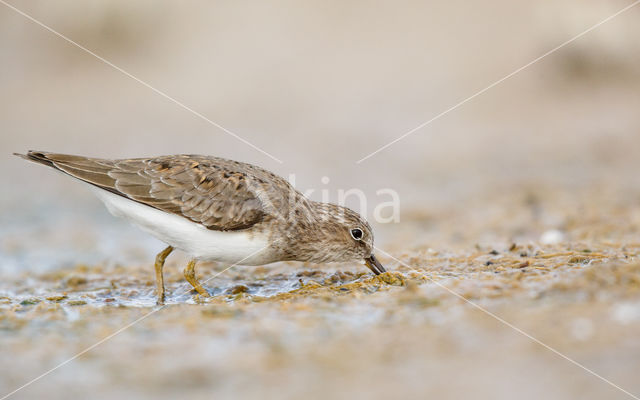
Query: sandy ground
(293,330)
(514,268)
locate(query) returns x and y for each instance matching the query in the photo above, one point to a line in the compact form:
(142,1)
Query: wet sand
(294,330)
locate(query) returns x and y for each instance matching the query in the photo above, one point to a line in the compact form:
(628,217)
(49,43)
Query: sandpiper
(219,210)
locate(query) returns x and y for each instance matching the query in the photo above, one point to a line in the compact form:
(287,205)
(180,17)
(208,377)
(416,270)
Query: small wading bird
(220,210)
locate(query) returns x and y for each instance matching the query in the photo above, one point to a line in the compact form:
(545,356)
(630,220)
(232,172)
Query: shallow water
(295,329)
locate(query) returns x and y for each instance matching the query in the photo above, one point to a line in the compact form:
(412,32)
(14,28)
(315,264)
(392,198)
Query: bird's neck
(313,223)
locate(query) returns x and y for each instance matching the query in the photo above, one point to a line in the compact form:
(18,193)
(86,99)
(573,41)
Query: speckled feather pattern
(226,195)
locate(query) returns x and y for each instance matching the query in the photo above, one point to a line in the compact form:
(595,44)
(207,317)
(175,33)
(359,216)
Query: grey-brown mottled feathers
(217,193)
(266,218)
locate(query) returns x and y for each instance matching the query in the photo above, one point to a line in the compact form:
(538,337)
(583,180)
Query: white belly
(190,237)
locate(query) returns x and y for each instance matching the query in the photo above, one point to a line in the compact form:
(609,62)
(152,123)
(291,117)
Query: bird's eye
(356,233)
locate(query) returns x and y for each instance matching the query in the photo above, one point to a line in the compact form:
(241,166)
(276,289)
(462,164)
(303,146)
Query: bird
(217,209)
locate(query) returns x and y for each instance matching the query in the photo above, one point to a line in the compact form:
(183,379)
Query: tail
(39,157)
(91,170)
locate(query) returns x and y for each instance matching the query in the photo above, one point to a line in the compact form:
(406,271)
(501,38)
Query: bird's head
(338,234)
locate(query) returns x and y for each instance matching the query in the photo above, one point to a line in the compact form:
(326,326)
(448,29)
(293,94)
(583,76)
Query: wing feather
(210,191)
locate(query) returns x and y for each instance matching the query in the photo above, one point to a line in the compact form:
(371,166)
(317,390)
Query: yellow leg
(190,276)
(159,278)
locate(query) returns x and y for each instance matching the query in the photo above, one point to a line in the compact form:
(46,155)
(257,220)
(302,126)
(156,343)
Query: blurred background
(320,85)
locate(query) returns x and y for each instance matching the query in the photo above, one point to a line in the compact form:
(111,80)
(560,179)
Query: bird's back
(218,193)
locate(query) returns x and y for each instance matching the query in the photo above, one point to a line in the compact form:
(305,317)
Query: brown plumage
(223,196)
(211,191)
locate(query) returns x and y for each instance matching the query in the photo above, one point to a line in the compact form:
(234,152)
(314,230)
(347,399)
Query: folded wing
(214,192)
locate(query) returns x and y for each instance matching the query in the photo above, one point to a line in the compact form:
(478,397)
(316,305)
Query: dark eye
(356,233)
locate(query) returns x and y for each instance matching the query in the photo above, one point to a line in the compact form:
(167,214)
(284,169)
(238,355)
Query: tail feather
(39,157)
(93,171)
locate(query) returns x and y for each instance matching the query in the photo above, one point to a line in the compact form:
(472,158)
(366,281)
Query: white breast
(190,237)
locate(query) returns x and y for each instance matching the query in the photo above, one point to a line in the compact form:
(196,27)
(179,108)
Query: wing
(214,192)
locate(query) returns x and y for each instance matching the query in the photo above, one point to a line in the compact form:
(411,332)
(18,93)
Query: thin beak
(374,265)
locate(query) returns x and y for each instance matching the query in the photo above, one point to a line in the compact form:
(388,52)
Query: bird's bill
(374,265)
